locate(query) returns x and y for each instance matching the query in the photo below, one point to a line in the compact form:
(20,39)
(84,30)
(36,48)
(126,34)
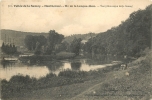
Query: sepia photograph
(75,50)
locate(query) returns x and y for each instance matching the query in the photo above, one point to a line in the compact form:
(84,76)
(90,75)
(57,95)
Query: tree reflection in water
(53,66)
(7,64)
(75,65)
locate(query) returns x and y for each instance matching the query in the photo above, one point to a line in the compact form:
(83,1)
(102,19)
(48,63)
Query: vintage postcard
(75,49)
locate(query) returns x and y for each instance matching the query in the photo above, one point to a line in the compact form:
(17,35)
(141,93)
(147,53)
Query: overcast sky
(67,20)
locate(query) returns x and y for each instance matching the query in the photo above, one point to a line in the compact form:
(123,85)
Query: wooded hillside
(129,38)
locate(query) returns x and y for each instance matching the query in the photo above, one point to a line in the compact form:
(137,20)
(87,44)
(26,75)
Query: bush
(73,74)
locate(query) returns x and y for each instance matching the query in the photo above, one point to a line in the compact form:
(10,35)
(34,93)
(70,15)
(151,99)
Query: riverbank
(108,83)
(41,58)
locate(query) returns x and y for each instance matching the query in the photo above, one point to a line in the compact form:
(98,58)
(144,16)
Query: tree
(64,46)
(53,39)
(8,49)
(30,42)
(3,47)
(14,49)
(40,41)
(75,46)
(34,42)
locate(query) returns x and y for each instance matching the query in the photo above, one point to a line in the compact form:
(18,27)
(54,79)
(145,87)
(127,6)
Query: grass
(18,85)
(136,86)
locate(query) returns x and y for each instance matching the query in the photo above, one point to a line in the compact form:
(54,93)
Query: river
(7,70)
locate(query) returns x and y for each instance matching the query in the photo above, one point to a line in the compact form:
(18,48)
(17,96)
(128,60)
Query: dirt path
(88,90)
(118,75)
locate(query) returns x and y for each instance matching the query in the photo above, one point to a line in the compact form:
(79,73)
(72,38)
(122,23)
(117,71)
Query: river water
(7,70)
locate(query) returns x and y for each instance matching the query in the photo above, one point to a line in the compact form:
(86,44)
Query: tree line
(9,48)
(51,44)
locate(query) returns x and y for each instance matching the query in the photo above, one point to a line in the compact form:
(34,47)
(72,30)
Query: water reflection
(75,65)
(9,69)
(7,64)
(53,66)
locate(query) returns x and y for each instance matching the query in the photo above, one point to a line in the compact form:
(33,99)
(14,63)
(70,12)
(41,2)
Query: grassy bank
(133,85)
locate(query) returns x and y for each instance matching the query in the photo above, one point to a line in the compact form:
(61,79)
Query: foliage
(34,42)
(9,49)
(129,38)
(19,84)
(64,46)
(75,46)
(53,39)
(70,38)
(30,42)
(73,74)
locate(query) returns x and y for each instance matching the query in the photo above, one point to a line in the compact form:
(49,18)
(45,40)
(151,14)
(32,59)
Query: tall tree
(76,46)
(8,49)
(30,42)
(53,39)
(34,42)
(3,47)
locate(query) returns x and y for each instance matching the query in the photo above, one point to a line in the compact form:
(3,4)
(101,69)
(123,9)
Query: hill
(129,38)
(17,36)
(84,37)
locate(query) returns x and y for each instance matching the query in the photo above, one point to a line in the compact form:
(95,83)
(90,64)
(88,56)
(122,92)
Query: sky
(67,20)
